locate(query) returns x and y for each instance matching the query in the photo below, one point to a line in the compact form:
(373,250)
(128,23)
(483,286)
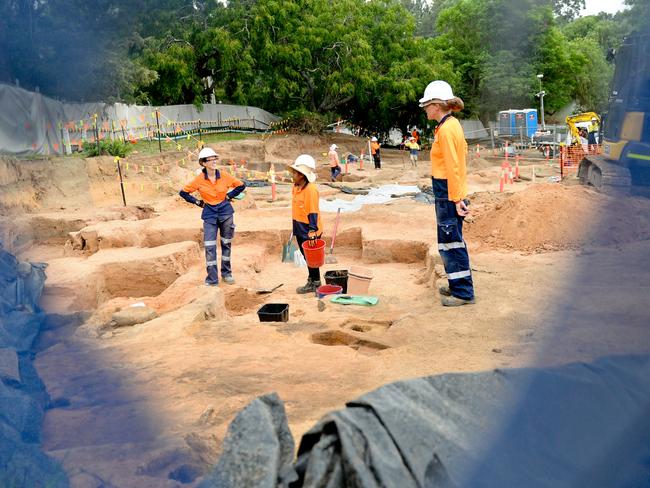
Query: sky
(595,6)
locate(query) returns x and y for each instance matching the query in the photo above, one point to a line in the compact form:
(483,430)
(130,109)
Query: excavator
(578,148)
(624,164)
(574,122)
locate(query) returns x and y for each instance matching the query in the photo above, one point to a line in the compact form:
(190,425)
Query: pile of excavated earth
(145,380)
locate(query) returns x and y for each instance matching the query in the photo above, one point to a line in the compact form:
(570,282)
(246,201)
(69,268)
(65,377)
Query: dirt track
(147,405)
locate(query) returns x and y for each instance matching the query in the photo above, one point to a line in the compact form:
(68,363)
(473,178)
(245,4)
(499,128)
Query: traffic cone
(517,167)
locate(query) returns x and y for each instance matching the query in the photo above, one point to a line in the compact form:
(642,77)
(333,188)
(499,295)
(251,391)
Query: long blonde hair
(454,104)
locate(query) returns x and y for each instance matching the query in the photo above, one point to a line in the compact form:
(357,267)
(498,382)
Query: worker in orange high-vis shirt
(333,156)
(217,188)
(374,150)
(305,213)
(449,181)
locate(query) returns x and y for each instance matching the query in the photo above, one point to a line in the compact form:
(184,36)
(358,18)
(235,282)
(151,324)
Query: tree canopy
(366,61)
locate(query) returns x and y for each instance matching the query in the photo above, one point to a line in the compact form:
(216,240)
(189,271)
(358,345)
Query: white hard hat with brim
(436,90)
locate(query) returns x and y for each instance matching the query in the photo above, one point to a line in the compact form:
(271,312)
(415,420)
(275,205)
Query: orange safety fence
(570,157)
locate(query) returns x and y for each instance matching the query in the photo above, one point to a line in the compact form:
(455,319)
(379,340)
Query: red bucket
(325,290)
(315,256)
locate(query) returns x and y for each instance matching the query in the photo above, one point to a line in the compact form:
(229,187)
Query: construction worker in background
(307,226)
(217,188)
(335,167)
(592,137)
(413,148)
(449,182)
(415,134)
(374,149)
(584,139)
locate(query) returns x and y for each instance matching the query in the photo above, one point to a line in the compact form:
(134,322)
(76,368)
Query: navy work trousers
(451,246)
(314,273)
(225,227)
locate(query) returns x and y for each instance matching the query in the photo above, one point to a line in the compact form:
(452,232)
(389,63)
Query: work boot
(452,301)
(228,279)
(444,290)
(309,287)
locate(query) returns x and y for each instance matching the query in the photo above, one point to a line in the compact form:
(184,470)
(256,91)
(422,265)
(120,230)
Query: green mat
(365,300)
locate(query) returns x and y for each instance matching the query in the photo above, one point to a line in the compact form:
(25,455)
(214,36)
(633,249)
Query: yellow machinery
(625,160)
(584,119)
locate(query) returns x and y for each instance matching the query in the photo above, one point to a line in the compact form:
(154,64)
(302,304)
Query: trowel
(264,291)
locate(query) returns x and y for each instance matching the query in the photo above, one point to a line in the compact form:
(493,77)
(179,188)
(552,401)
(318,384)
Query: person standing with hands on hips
(449,181)
(217,188)
(305,213)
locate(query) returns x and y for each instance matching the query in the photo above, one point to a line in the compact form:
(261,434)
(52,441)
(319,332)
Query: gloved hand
(200,203)
(312,239)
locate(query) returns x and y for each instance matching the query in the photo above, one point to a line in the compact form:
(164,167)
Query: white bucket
(359,280)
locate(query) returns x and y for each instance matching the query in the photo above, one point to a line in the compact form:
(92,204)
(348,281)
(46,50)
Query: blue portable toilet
(507,122)
(531,121)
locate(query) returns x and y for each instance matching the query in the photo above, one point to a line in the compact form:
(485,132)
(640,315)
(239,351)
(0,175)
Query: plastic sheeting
(31,123)
(583,424)
(23,398)
(379,195)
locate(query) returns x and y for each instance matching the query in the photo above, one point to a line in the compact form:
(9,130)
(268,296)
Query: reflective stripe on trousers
(225,227)
(451,245)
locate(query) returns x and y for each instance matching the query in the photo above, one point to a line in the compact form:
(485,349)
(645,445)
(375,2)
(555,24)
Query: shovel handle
(336,226)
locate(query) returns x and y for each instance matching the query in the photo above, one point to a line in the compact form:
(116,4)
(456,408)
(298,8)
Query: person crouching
(305,213)
(217,188)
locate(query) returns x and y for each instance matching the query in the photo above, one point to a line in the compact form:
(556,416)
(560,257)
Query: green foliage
(364,60)
(305,122)
(107,146)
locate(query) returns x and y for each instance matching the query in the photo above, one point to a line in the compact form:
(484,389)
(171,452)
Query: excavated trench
(124,394)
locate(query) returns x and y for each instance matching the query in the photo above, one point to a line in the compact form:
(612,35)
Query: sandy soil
(148,405)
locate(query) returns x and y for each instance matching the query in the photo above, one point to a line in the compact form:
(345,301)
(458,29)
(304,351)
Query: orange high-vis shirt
(448,158)
(213,193)
(305,202)
(334,159)
(374,146)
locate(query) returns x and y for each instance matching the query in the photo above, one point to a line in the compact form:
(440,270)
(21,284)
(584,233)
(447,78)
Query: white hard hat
(436,90)
(374,139)
(306,165)
(206,152)
(333,147)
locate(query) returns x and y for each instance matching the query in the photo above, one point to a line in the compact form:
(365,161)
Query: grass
(147,147)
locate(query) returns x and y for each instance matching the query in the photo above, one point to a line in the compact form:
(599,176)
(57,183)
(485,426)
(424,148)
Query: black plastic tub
(274,312)
(338,277)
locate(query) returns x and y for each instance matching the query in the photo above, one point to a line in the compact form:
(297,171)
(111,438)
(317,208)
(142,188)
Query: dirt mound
(477,163)
(240,301)
(552,217)
(285,147)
